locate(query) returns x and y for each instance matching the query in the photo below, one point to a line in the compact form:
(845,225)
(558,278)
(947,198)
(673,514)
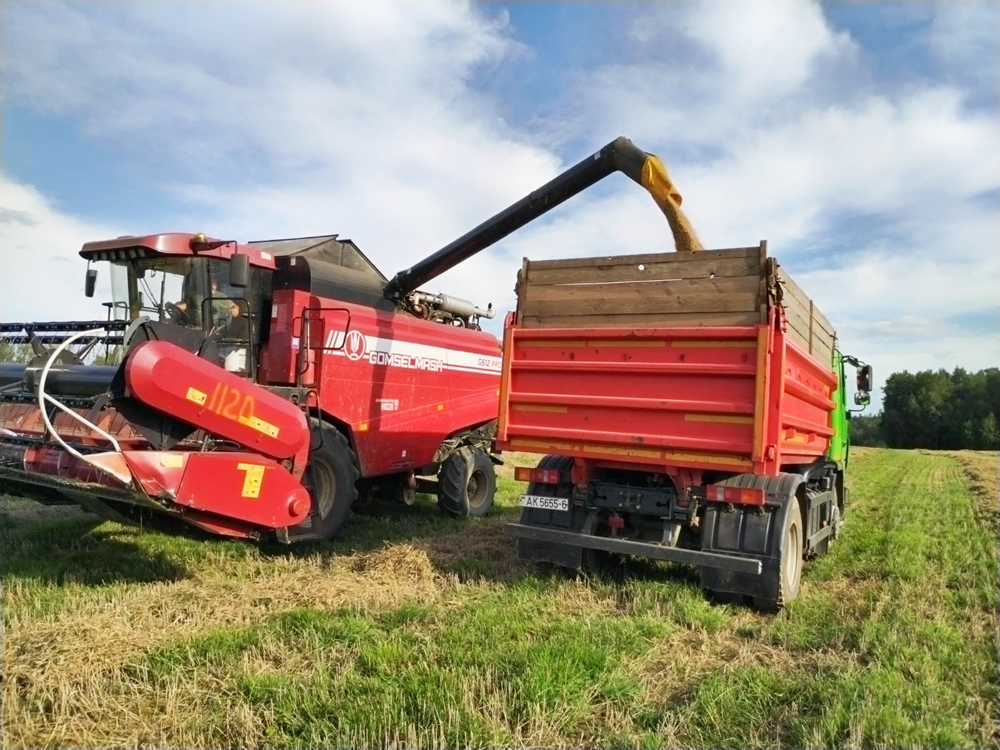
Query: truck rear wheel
(790,566)
(467,483)
(330,477)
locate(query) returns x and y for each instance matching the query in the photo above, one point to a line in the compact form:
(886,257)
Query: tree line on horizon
(935,409)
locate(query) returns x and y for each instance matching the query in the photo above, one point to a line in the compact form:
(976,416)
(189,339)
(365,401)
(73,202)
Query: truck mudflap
(747,566)
(749,533)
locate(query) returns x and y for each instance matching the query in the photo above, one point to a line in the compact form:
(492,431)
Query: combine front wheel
(330,477)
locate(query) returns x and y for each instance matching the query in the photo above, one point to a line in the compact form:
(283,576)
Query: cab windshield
(184,291)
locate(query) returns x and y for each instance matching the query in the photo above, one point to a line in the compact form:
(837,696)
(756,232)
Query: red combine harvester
(262,387)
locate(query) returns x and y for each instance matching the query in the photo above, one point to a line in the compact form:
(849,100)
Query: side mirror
(862,399)
(90,283)
(865,379)
(239,271)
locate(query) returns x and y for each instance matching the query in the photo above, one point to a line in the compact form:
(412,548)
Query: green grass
(417,630)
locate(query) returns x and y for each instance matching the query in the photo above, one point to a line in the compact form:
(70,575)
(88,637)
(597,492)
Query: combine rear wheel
(467,483)
(330,476)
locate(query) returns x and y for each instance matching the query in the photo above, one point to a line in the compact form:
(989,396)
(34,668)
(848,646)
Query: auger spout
(621,155)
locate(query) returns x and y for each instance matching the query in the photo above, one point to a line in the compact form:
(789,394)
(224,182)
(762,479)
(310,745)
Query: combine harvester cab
(256,389)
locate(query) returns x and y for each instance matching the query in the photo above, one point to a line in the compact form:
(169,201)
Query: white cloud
(42,271)
(366,119)
(763,52)
(965,36)
(297,119)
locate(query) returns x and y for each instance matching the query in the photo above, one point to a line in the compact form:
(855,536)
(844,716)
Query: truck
(691,408)
(263,387)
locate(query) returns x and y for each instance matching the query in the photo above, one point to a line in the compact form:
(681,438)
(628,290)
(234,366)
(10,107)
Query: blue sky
(861,140)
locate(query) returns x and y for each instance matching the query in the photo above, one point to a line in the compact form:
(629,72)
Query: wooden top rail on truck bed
(706,360)
(709,288)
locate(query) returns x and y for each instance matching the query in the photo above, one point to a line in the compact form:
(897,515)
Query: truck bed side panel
(679,396)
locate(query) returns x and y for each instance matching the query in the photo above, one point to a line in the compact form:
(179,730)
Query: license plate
(544,503)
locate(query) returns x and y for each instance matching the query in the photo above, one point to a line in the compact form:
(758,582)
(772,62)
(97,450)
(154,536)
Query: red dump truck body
(731,398)
(679,360)
(687,405)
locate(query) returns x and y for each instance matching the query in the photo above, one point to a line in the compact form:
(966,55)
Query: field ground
(417,630)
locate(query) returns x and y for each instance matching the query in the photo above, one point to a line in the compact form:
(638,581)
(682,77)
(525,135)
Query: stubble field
(416,630)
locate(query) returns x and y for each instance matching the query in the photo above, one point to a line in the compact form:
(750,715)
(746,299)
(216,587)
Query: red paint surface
(215,483)
(179,243)
(172,380)
(425,381)
(668,398)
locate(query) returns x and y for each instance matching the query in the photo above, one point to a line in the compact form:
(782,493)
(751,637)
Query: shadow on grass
(471,548)
(68,548)
(57,546)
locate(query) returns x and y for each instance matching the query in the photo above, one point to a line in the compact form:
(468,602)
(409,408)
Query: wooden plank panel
(624,260)
(686,303)
(823,353)
(791,288)
(661,320)
(823,322)
(799,320)
(801,335)
(795,309)
(821,345)
(691,269)
(798,294)
(646,289)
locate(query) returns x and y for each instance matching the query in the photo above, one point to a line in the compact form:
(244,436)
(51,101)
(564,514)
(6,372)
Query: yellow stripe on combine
(540,407)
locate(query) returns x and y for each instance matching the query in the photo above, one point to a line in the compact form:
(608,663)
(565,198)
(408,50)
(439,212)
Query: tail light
(540,476)
(722,493)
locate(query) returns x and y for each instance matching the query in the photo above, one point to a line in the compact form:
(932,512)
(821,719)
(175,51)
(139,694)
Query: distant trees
(15,352)
(866,429)
(936,409)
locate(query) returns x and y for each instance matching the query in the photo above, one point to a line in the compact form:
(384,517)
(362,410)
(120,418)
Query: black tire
(331,478)
(467,482)
(790,567)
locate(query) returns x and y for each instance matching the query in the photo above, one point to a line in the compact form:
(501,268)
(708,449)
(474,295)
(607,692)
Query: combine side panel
(177,382)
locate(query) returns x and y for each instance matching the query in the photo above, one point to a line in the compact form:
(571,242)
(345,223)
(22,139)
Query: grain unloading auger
(263,386)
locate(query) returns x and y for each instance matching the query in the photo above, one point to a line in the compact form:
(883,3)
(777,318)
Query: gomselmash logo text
(409,355)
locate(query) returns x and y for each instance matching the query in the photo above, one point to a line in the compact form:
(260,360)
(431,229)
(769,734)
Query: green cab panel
(840,442)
